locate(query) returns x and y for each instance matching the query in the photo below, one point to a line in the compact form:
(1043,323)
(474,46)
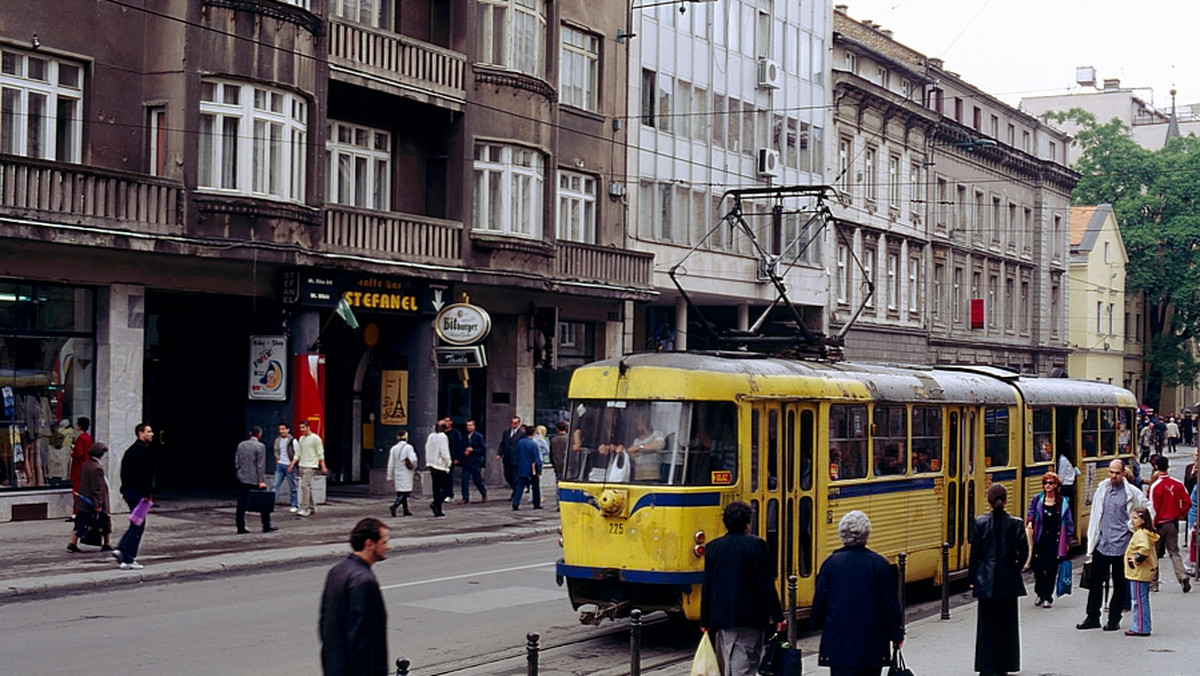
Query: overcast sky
(1017,48)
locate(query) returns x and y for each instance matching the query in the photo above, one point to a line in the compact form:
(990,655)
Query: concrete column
(120,360)
(743,319)
(522,396)
(681,324)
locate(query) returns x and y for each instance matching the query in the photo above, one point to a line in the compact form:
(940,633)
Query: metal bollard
(945,580)
(402,667)
(531,653)
(791,616)
(635,642)
(902,575)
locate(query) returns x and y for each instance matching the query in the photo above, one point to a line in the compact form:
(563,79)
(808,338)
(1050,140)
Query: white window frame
(29,82)
(374,13)
(870,182)
(576,217)
(518,173)
(914,290)
(359,166)
(156,131)
(893,281)
(894,181)
(870,256)
(843,271)
(579,72)
(303,4)
(512,34)
(269,169)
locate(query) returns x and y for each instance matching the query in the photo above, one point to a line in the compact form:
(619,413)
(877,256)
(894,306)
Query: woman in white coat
(402,462)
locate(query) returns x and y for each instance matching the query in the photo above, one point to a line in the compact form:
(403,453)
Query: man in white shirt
(285,452)
(437,458)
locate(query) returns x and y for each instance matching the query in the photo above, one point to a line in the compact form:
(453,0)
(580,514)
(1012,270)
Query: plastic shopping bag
(1063,586)
(705,662)
(137,516)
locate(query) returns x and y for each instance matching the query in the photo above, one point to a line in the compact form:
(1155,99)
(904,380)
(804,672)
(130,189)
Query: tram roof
(1069,392)
(771,377)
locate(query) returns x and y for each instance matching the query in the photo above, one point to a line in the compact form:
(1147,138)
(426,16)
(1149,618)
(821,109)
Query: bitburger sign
(462,324)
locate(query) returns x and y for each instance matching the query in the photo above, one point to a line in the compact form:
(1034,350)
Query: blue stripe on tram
(637,576)
(882,487)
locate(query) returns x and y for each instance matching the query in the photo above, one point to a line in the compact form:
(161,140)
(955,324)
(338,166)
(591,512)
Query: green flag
(343,310)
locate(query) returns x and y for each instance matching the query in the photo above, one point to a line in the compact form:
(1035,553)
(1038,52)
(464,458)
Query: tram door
(767,477)
(796,556)
(961,481)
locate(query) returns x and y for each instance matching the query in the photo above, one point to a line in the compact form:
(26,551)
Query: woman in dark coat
(856,599)
(998,552)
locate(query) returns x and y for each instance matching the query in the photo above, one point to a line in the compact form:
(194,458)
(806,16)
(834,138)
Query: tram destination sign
(473,356)
(364,293)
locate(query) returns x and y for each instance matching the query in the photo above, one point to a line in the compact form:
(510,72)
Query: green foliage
(1155,196)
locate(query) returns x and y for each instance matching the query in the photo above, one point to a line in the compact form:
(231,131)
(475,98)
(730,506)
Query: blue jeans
(280,473)
(534,483)
(471,472)
(131,541)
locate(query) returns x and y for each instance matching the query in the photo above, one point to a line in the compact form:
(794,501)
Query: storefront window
(47,361)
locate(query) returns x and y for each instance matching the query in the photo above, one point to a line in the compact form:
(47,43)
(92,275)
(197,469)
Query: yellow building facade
(1096,326)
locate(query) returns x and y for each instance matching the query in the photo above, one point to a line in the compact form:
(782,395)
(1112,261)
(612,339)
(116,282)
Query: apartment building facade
(184,202)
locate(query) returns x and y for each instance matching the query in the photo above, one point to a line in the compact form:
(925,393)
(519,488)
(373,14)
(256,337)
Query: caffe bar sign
(363,292)
(462,324)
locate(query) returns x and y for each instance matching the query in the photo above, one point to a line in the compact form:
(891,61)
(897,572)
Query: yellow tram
(660,442)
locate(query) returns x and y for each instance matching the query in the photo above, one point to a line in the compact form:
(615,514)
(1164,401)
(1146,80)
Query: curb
(30,588)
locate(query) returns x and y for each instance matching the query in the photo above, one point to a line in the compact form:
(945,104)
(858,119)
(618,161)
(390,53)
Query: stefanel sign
(462,324)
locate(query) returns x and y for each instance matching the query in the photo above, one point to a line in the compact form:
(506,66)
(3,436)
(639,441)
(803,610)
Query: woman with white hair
(856,600)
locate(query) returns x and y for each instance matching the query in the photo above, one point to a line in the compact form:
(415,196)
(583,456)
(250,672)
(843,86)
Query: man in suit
(738,599)
(507,453)
(527,468)
(249,459)
(474,453)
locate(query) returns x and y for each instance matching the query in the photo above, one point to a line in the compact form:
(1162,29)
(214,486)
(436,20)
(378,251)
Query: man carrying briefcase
(249,460)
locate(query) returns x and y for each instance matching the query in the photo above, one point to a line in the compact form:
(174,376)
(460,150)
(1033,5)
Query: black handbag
(94,526)
(779,658)
(260,501)
(898,667)
(1085,576)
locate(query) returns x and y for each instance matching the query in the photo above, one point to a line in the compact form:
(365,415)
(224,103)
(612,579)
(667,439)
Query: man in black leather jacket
(353,622)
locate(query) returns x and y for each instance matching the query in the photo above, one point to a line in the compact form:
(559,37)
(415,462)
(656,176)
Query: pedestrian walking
(91,500)
(458,448)
(402,463)
(507,451)
(1146,441)
(1170,502)
(353,620)
(856,600)
(527,472)
(285,452)
(137,483)
(474,455)
(1108,535)
(738,601)
(998,552)
(249,461)
(1172,434)
(1052,524)
(310,458)
(79,452)
(1141,566)
(437,459)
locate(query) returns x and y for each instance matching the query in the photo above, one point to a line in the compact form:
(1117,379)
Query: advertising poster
(394,398)
(268,368)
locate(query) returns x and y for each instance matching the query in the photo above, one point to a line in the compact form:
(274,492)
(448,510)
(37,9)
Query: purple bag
(137,517)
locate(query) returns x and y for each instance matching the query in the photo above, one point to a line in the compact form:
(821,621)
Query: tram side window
(891,437)
(1124,432)
(926,439)
(847,442)
(1043,431)
(995,436)
(1108,431)
(1090,426)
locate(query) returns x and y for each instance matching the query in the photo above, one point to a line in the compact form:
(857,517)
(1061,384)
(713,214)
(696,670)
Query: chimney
(887,32)
(936,63)
(1111,84)
(841,9)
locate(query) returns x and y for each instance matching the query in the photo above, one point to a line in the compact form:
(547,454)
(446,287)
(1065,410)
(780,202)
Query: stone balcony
(609,266)
(390,235)
(398,65)
(44,192)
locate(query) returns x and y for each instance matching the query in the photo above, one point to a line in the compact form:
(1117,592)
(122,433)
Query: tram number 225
(616,529)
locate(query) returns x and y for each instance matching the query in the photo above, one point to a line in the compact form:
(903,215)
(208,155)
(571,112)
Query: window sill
(583,112)
(495,241)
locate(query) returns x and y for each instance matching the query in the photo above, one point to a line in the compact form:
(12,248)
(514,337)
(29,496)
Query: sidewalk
(193,535)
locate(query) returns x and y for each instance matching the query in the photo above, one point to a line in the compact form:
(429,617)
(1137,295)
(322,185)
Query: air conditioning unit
(769,74)
(768,162)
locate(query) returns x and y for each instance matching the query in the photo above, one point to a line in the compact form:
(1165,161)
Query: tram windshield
(670,443)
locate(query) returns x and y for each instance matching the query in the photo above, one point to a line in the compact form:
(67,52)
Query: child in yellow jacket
(1141,565)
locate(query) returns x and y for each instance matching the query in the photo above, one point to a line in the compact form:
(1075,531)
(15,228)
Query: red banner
(977,313)
(309,400)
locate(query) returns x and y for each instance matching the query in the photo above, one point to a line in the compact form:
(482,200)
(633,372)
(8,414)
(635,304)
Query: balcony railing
(68,193)
(605,265)
(383,57)
(391,235)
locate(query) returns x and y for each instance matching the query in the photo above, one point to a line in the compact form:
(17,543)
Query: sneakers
(132,565)
(1048,603)
(293,510)
(116,553)
(304,512)
(1038,602)
(73,548)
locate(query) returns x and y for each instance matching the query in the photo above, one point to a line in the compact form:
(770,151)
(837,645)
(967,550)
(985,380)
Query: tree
(1154,194)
